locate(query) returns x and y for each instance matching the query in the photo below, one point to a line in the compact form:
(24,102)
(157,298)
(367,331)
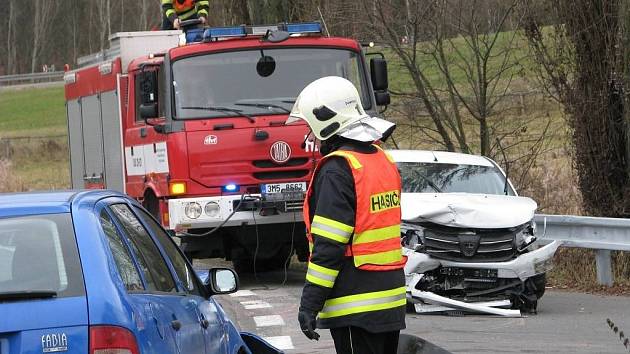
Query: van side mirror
(378,73)
(149,110)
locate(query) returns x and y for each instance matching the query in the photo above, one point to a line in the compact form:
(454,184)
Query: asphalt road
(267,304)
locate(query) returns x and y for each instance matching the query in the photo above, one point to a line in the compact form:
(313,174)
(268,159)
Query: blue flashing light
(194,35)
(230,188)
(242,31)
(308,27)
(217,32)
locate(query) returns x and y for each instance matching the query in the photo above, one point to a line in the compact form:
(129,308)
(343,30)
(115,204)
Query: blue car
(93,272)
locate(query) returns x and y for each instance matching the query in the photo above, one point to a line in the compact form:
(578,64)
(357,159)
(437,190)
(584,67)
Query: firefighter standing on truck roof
(355,283)
(175,11)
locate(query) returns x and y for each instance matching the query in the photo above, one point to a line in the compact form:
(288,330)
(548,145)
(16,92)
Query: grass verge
(32,112)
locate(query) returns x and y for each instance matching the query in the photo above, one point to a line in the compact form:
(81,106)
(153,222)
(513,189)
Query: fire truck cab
(193,126)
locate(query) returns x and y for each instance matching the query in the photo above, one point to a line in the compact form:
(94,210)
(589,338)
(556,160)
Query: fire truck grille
(272,175)
(468,245)
(294,206)
(270,164)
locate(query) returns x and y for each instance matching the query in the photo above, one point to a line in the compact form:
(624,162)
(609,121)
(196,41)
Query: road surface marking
(267,321)
(280,342)
(243,293)
(255,304)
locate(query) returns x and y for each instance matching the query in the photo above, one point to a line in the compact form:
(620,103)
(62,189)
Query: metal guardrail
(601,234)
(51,76)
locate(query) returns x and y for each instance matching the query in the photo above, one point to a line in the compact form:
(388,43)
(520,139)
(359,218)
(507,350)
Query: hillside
(32,112)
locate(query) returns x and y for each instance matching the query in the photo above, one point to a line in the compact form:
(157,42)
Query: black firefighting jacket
(334,197)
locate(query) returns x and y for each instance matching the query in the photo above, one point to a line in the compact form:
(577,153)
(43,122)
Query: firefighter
(355,284)
(175,11)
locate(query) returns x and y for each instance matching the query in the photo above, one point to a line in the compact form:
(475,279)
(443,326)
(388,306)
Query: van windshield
(257,82)
(423,177)
(38,255)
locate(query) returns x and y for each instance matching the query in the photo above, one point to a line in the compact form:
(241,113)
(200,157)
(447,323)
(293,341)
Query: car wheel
(539,283)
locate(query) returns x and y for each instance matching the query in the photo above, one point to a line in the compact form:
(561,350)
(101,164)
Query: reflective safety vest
(375,237)
(183,6)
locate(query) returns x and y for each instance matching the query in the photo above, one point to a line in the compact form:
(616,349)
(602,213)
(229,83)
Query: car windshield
(423,177)
(257,82)
(38,255)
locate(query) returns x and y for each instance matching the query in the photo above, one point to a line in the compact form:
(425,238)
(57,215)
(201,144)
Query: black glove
(308,324)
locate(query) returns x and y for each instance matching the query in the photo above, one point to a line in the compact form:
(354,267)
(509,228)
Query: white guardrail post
(601,234)
(604,267)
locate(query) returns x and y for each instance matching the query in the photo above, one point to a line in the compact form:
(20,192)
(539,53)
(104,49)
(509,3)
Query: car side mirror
(221,281)
(378,74)
(149,110)
(382,98)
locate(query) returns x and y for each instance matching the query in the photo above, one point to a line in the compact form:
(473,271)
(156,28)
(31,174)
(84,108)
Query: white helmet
(332,105)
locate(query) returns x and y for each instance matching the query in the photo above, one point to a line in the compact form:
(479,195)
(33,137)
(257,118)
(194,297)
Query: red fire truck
(193,126)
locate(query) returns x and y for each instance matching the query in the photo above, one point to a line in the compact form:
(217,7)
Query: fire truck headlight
(212,209)
(193,210)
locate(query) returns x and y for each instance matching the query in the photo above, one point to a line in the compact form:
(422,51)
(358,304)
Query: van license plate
(283,191)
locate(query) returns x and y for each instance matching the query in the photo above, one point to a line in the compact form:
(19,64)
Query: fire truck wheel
(151,203)
(243,260)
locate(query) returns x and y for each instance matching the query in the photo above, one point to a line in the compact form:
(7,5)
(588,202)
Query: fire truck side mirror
(149,110)
(382,98)
(378,73)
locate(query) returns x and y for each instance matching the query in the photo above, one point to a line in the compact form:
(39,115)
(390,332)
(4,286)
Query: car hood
(466,210)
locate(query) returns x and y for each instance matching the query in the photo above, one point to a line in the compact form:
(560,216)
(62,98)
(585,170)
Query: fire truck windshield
(235,80)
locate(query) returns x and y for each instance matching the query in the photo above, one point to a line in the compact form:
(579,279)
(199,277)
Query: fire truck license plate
(283,191)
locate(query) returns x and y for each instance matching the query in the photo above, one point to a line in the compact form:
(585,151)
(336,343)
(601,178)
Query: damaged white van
(468,236)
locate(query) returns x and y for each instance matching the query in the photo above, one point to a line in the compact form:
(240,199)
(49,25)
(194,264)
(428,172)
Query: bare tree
(11,40)
(45,11)
(102,15)
(461,59)
(144,13)
(583,63)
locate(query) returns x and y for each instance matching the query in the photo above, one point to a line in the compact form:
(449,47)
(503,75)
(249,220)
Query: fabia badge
(210,140)
(280,152)
(54,343)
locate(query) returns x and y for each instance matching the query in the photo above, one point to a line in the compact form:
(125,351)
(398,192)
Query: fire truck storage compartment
(95,141)
(133,45)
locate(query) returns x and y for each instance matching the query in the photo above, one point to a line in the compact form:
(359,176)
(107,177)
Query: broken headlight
(412,236)
(525,236)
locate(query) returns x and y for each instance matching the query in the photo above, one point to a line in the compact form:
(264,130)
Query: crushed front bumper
(525,266)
